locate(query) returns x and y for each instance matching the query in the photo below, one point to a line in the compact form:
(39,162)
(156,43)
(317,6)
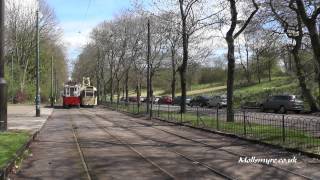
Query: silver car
(218,101)
(282,104)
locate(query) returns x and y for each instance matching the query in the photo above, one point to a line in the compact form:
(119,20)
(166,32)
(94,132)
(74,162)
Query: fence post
(168,112)
(212,122)
(180,116)
(283,130)
(244,123)
(217,118)
(197,116)
(158,110)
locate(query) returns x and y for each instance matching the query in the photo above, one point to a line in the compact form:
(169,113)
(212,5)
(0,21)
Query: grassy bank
(10,143)
(244,92)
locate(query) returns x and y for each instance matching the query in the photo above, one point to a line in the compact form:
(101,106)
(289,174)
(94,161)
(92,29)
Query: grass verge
(10,143)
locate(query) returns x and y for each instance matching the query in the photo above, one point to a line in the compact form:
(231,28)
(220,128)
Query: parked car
(143,99)
(133,99)
(250,105)
(122,99)
(156,99)
(218,101)
(177,100)
(282,104)
(199,101)
(165,100)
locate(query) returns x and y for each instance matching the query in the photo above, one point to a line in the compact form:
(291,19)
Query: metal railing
(289,131)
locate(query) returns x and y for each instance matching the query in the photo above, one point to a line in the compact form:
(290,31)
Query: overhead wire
(86,14)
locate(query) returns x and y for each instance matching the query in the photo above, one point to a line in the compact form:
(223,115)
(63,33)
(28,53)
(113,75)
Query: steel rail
(76,139)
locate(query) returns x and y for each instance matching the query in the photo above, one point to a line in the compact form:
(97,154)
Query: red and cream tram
(71,94)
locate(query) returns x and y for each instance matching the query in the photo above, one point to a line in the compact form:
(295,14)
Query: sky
(78,17)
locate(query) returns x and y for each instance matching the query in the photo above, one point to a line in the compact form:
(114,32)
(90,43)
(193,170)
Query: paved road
(103,144)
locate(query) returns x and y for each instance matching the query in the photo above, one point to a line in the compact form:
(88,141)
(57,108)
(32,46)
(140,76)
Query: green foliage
(15,84)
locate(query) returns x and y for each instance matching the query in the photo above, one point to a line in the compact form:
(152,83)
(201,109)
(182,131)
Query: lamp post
(3,83)
(37,69)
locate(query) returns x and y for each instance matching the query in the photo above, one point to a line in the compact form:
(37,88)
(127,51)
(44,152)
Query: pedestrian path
(22,117)
(54,153)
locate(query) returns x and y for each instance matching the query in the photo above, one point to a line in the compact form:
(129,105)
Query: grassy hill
(253,92)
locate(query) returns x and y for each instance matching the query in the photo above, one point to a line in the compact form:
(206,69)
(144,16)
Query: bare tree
(309,12)
(293,28)
(230,37)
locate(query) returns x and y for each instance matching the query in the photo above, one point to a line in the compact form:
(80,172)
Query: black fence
(289,131)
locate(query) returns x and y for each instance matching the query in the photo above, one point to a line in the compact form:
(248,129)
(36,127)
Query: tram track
(205,144)
(192,160)
(123,142)
(81,154)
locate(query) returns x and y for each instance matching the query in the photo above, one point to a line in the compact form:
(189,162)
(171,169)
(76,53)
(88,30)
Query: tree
(230,37)
(310,21)
(20,44)
(293,29)
(193,18)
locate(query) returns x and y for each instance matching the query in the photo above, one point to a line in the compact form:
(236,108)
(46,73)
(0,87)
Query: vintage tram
(88,95)
(71,94)
(75,94)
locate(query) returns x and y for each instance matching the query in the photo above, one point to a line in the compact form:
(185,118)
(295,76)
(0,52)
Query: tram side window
(65,93)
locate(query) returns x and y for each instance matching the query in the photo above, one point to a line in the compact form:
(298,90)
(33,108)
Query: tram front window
(89,93)
(72,91)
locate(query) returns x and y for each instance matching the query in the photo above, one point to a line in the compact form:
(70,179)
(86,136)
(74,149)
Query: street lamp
(3,83)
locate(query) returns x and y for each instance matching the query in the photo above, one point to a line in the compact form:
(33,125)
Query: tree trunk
(173,80)
(111,86)
(258,68)
(247,64)
(123,90)
(137,93)
(183,67)
(118,91)
(127,86)
(311,24)
(98,90)
(230,81)
(183,80)
(302,82)
(269,69)
(98,80)
(231,60)
(290,62)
